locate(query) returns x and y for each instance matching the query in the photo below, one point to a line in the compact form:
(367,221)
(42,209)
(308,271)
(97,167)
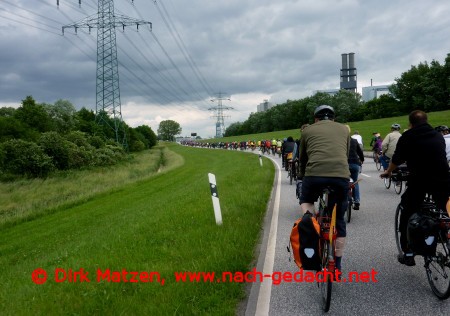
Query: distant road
(399,290)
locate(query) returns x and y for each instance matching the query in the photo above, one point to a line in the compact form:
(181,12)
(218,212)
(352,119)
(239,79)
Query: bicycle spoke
(438,272)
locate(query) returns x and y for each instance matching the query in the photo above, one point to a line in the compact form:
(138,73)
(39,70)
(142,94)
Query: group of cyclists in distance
(328,157)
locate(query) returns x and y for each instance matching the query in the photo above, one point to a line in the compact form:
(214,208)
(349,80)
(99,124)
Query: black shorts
(312,188)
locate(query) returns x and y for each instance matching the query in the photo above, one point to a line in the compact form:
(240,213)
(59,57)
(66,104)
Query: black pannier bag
(422,234)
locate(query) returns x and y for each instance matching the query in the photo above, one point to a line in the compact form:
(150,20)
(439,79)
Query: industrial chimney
(348,72)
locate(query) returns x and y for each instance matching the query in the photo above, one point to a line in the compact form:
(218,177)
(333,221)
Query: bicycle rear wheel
(327,283)
(398,212)
(438,271)
(376,159)
(387,182)
(398,186)
(291,173)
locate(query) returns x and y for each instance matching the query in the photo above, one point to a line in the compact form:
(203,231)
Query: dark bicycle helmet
(396,126)
(324,112)
(442,128)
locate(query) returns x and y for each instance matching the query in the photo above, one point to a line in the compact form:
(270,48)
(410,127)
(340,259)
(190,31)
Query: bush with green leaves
(25,158)
(79,139)
(137,145)
(105,157)
(80,157)
(57,148)
(96,141)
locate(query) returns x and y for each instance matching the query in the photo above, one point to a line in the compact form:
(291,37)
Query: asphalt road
(398,290)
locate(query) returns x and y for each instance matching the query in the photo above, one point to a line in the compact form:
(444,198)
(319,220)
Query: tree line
(38,138)
(424,87)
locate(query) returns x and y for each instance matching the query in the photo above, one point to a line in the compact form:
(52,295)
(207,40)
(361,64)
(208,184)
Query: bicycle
(290,168)
(376,159)
(437,266)
(399,176)
(327,246)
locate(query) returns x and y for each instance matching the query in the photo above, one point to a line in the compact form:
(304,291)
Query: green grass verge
(365,128)
(163,224)
(70,188)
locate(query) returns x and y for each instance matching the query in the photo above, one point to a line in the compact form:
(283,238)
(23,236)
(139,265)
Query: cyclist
(274,146)
(358,138)
(388,145)
(355,160)
(445,132)
(423,149)
(377,147)
(324,148)
(279,144)
(375,136)
(262,146)
(287,148)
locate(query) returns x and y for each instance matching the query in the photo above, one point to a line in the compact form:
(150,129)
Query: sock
(338,263)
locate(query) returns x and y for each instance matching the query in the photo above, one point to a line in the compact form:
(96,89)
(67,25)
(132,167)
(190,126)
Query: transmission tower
(220,124)
(108,104)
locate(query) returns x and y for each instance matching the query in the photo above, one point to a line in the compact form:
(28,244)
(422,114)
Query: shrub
(80,156)
(79,139)
(25,158)
(105,157)
(137,145)
(96,142)
(57,148)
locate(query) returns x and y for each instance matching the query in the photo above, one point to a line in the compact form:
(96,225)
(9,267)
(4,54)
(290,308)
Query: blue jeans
(384,160)
(354,172)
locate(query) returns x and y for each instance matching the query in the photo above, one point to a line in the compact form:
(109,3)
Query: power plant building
(373,92)
(264,106)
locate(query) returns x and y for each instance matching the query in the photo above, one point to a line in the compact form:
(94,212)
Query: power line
(190,60)
(27,24)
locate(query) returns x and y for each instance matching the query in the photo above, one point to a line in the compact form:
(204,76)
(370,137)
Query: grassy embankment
(365,128)
(29,198)
(162,223)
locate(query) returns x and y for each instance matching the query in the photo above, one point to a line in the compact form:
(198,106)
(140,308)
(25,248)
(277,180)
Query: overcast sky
(249,50)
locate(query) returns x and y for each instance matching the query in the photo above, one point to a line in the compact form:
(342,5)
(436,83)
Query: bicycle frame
(328,235)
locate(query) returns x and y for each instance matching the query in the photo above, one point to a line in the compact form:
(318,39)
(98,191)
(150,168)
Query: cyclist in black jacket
(423,149)
(355,160)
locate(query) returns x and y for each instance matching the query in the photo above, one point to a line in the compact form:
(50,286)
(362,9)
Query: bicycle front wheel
(326,283)
(438,271)
(398,212)
(349,211)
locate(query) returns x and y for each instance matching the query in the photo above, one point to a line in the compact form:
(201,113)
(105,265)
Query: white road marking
(263,303)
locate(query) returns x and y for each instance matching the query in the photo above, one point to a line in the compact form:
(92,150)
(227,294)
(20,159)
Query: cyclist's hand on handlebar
(385,174)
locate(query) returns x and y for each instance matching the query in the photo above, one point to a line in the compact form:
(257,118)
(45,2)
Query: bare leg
(340,244)
(307,207)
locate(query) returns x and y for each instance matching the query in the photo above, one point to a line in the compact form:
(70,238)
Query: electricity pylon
(107,80)
(220,124)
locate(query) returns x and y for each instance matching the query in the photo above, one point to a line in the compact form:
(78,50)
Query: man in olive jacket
(324,148)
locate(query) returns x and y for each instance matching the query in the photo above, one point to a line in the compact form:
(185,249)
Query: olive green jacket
(324,149)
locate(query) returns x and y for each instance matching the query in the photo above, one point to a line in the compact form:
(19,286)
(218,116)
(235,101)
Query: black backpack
(422,234)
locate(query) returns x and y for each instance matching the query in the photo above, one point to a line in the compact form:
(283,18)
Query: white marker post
(215,198)
(260,160)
